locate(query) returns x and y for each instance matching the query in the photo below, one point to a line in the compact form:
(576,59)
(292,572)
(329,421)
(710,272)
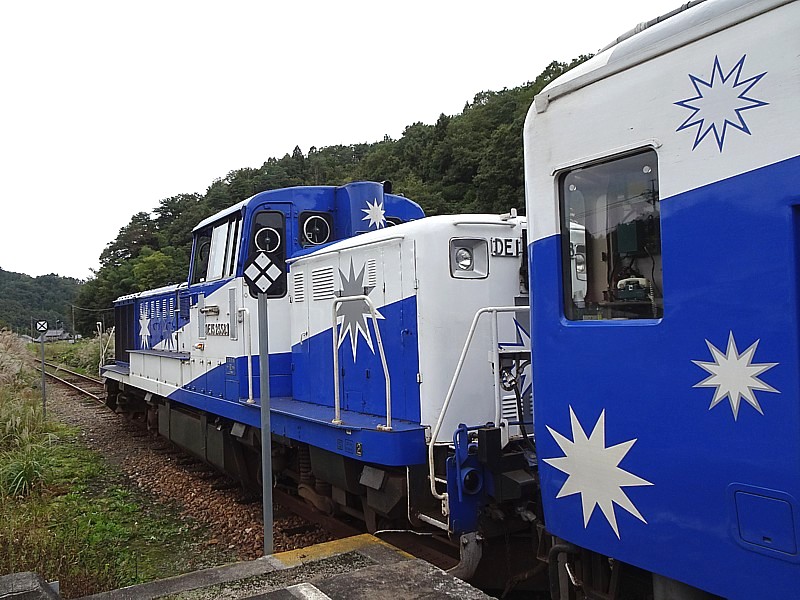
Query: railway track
(91,387)
(427,547)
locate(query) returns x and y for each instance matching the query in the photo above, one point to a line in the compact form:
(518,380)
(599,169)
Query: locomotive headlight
(469,258)
(464,259)
(580,263)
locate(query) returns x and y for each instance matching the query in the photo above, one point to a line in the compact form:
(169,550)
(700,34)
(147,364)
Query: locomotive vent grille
(299,280)
(372,272)
(322,285)
(510,407)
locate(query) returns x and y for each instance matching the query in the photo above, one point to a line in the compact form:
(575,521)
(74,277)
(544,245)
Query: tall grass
(83,355)
(14,360)
(64,512)
(23,432)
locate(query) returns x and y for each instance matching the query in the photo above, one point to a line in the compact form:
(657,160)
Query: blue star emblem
(720,102)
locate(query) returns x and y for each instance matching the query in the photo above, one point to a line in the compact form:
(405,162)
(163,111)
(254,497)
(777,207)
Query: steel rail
(75,373)
(74,387)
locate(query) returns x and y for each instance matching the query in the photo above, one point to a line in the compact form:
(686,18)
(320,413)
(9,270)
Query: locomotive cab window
(316,228)
(268,235)
(611,240)
(216,249)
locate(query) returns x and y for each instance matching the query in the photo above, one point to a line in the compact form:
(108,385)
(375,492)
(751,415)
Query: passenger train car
(665,381)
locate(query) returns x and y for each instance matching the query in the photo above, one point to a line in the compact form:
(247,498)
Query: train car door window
(611,240)
(268,234)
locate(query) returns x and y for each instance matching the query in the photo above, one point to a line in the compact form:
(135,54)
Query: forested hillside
(470,162)
(23,298)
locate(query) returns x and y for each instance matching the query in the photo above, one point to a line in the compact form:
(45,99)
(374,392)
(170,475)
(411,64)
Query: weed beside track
(67,514)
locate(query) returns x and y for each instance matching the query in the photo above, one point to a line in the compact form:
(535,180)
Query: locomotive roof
(223,213)
(690,22)
(425,225)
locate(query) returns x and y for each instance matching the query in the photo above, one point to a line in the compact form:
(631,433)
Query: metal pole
(266,426)
(44,393)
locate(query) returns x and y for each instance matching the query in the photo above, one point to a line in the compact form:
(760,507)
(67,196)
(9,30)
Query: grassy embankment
(64,512)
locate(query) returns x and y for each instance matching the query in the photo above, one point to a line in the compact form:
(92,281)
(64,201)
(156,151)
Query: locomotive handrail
(319,253)
(495,310)
(249,343)
(498,223)
(337,417)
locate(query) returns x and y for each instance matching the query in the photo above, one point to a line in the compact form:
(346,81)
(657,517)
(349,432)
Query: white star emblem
(735,376)
(594,471)
(144,325)
(353,315)
(375,214)
(720,103)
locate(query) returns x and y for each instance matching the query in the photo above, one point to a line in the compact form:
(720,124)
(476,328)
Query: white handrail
(337,413)
(245,312)
(317,253)
(440,421)
(501,224)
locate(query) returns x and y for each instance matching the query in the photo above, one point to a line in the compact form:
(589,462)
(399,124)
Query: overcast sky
(106,107)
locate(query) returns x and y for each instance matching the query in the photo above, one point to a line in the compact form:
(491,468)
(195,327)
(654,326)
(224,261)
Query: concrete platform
(356,568)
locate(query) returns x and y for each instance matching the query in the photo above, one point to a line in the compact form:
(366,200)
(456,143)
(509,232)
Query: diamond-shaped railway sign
(260,273)
(41,326)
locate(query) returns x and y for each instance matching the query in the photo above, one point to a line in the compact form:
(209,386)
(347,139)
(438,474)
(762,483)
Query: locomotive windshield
(216,249)
(611,240)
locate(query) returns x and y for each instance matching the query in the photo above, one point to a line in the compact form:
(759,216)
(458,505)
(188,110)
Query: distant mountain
(24,298)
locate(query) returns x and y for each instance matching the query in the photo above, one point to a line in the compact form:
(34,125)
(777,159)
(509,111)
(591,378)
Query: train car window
(217,250)
(232,248)
(216,260)
(202,247)
(315,228)
(611,240)
(268,234)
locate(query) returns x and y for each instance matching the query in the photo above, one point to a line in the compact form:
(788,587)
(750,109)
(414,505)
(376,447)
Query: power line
(92,309)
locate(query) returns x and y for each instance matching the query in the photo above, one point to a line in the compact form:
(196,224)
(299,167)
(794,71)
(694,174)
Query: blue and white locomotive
(365,334)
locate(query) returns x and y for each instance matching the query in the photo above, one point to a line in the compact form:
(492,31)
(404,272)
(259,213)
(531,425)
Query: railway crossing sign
(41,326)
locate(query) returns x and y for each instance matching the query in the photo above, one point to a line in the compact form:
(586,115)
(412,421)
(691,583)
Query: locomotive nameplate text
(506,246)
(218,329)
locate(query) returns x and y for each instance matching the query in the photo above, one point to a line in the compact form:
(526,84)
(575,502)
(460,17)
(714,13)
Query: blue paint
(363,384)
(730,259)
(306,417)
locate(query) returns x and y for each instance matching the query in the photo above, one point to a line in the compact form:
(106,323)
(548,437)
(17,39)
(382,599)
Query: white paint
(735,376)
(594,471)
(632,108)
(307,591)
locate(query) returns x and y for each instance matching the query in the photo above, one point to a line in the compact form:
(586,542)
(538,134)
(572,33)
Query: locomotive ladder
(498,406)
